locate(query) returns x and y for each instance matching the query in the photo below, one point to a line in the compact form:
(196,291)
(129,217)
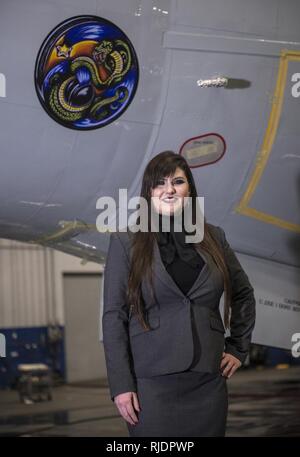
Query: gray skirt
(185,404)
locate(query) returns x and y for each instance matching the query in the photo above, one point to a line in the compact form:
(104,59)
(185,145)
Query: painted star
(63,51)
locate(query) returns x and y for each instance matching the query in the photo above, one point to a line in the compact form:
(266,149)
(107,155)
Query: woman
(167,359)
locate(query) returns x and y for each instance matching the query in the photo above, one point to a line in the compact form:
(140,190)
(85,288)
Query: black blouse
(183,274)
(181,259)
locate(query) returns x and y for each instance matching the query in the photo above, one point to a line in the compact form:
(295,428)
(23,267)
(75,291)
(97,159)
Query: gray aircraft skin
(226,69)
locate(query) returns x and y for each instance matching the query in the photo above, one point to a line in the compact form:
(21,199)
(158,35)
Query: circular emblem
(86,73)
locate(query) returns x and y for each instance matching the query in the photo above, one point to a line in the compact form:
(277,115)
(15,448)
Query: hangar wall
(32,299)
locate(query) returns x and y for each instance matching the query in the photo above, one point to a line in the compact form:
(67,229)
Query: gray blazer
(169,346)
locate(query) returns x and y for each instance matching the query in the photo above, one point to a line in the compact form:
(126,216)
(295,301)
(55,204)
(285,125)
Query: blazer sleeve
(116,343)
(243,303)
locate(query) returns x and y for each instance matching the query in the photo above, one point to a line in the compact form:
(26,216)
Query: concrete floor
(262,402)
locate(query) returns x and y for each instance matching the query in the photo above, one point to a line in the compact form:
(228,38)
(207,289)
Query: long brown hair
(161,166)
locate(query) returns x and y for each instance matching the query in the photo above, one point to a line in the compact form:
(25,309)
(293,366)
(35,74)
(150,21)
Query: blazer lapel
(163,275)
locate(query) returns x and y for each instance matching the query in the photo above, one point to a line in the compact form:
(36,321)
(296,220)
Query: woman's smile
(170,199)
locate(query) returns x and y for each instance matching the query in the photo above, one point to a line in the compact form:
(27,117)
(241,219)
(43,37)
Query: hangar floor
(262,402)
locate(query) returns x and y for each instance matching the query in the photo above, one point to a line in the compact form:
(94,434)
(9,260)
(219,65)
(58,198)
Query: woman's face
(170,193)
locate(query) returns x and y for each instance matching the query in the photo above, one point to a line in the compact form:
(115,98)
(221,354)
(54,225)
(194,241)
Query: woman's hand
(126,403)
(230,363)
